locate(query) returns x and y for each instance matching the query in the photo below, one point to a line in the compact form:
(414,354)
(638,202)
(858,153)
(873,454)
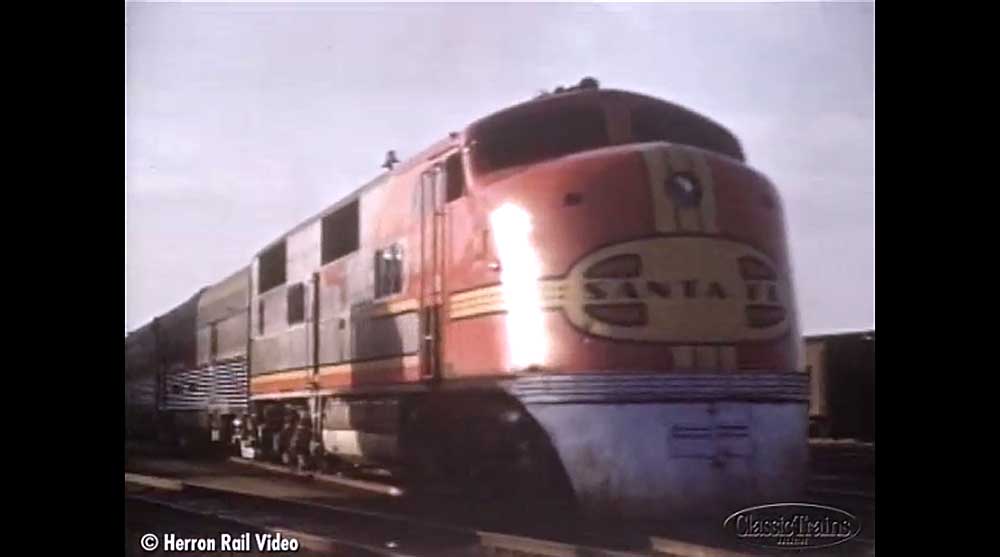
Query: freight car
(586,295)
(841,370)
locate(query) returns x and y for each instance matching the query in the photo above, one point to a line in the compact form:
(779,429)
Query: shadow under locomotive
(486,442)
(479,442)
(467,436)
(598,444)
(471,435)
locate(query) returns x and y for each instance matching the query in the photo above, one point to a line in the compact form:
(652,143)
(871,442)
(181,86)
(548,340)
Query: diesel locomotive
(588,293)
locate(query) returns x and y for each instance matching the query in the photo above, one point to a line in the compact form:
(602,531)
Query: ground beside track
(143,518)
(552,522)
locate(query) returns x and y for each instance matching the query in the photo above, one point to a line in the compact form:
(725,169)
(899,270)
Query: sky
(243,119)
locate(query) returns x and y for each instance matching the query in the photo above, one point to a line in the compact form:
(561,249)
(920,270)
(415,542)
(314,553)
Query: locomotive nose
(670,326)
(678,249)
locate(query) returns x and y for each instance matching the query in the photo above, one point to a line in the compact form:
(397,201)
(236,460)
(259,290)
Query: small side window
(339,235)
(260,317)
(296,303)
(396,275)
(388,271)
(455,177)
(271,271)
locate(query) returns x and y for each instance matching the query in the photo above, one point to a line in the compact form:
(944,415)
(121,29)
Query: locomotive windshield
(560,126)
(661,122)
(528,138)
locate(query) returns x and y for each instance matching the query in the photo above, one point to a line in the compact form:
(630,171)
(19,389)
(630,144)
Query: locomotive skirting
(669,460)
(650,445)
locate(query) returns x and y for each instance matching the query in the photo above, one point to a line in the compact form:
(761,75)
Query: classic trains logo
(792,526)
(679,289)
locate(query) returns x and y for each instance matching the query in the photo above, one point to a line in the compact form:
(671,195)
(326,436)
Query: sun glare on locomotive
(520,271)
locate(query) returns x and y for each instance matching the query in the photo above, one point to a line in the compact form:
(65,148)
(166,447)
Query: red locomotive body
(590,289)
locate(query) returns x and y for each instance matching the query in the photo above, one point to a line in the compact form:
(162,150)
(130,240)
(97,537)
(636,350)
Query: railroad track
(336,531)
(848,482)
(341,529)
(842,474)
(344,530)
(393,522)
(146,516)
(363,533)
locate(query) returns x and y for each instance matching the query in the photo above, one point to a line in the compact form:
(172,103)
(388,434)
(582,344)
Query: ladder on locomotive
(432,217)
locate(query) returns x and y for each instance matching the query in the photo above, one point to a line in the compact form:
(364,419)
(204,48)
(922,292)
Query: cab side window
(271,271)
(388,271)
(455,176)
(296,303)
(339,235)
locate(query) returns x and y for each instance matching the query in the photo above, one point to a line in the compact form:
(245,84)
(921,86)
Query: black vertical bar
(317,415)
(250,312)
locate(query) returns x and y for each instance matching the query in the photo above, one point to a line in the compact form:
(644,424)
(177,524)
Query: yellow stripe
(484,291)
(281,376)
(393,308)
(371,365)
(498,307)
(547,295)
(547,286)
(678,160)
(303,373)
(478,310)
(469,302)
(491,299)
(709,219)
(663,206)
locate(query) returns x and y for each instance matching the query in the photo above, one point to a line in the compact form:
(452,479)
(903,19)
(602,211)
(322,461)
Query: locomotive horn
(390,160)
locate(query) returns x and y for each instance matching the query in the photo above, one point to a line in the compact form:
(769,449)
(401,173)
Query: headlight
(685,189)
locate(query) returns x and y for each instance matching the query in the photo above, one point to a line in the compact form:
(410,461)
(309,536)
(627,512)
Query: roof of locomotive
(237,279)
(457,139)
(443,145)
(594,96)
(186,306)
